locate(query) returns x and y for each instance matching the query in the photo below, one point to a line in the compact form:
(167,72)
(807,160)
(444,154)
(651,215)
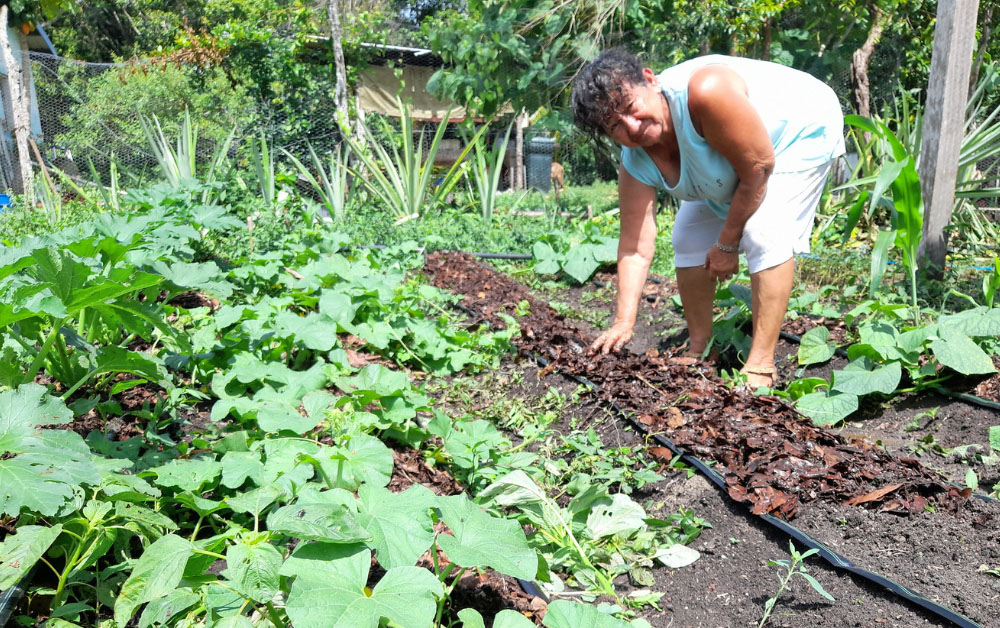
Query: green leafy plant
(793,567)
(887,350)
(579,255)
(597,535)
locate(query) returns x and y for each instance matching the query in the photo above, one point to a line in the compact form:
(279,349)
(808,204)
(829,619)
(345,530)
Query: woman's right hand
(613,339)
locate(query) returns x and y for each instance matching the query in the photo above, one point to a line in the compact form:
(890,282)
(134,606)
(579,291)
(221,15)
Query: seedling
(794,567)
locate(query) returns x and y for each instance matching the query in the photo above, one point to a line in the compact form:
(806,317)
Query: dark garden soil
(871,498)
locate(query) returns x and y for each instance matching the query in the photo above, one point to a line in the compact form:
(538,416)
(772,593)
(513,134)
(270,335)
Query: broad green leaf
(911,342)
(546,260)
(564,614)
(44,471)
(504,619)
(317,402)
(256,501)
(859,381)
(20,551)
(317,522)
(827,408)
(995,438)
(399,523)
(333,595)
(881,337)
(580,263)
(814,347)
(471,442)
(276,416)
(310,557)
(363,459)
(979,322)
(237,466)
(253,566)
(160,612)
(677,556)
(155,575)
(616,514)
(188,475)
(312,331)
(23,409)
(481,540)
(962,354)
(514,489)
(338,307)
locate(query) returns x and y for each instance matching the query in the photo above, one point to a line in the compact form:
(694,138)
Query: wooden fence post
(944,122)
(22,122)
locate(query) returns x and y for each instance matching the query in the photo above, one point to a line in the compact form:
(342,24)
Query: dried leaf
(873,496)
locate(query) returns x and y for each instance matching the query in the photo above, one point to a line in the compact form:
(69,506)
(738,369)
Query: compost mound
(770,456)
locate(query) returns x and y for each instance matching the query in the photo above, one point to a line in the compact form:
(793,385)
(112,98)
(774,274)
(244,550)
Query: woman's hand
(721,266)
(613,339)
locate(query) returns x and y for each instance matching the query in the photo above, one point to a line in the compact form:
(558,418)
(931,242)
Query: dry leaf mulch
(770,456)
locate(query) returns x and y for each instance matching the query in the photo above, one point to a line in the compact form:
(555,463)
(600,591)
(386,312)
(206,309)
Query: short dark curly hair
(598,88)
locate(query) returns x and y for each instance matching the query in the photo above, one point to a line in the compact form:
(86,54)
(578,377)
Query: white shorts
(780,228)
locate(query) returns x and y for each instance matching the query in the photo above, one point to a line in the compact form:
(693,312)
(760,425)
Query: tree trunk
(18,101)
(336,34)
(984,41)
(765,40)
(859,63)
(944,125)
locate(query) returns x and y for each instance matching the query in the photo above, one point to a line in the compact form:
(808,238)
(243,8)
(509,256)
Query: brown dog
(556,175)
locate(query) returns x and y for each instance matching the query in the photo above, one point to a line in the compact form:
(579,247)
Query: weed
(916,424)
(794,567)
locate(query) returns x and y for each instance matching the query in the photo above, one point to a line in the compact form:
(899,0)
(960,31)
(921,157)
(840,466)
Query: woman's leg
(698,297)
(771,289)
(696,228)
(780,228)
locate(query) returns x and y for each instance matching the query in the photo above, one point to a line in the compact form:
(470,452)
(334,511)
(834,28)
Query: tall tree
(861,57)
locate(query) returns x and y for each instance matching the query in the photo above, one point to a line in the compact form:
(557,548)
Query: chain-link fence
(94,113)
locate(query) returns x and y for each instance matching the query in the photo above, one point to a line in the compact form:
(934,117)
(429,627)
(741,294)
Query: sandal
(768,371)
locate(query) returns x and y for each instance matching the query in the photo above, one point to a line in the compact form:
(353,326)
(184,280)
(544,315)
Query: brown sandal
(769,371)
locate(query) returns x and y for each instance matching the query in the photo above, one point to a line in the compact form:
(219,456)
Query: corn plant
(487,164)
(900,175)
(331,186)
(402,179)
(991,282)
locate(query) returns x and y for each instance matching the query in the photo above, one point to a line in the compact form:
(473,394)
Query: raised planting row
(187,441)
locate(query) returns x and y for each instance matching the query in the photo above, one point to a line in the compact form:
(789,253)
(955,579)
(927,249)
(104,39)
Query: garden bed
(952,522)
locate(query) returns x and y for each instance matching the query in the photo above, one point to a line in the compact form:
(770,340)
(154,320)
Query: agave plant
(331,186)
(486,167)
(402,179)
(180,164)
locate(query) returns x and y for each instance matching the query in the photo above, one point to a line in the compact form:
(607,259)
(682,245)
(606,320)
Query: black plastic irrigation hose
(13,595)
(833,558)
